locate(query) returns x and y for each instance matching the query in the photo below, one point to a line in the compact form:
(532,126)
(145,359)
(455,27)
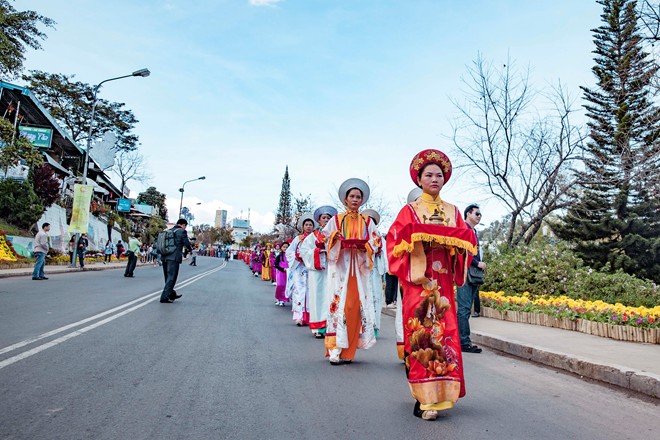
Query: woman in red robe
(429,248)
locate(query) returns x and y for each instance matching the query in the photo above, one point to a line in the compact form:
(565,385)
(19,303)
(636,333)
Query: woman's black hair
(421,170)
(308,220)
(351,189)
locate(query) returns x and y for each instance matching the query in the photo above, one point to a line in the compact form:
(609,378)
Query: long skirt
(265,273)
(280,289)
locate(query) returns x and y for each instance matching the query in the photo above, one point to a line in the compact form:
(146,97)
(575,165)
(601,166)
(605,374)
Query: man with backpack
(170,245)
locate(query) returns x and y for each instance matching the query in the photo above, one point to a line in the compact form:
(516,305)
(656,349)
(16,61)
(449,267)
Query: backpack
(165,243)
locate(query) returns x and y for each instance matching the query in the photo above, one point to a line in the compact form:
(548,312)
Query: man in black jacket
(469,292)
(172,261)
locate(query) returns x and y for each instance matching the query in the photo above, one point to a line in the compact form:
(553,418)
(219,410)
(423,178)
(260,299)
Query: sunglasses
(478,214)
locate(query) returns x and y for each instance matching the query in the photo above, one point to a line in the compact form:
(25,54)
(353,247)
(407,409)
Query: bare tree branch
(131,165)
(522,158)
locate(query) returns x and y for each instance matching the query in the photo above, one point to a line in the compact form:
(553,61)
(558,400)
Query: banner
(82,198)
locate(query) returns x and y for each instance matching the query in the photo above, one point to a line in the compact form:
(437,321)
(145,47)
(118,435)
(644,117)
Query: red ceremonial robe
(428,248)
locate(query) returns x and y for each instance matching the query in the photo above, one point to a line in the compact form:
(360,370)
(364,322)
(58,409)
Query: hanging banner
(82,198)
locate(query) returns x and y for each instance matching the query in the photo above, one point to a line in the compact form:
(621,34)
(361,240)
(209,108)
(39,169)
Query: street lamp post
(143,73)
(183,188)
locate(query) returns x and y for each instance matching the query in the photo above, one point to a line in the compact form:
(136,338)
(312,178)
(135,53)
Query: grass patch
(13,230)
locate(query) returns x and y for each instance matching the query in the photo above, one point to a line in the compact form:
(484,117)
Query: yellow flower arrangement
(563,306)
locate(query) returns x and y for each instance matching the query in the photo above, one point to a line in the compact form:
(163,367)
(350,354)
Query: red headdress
(426,157)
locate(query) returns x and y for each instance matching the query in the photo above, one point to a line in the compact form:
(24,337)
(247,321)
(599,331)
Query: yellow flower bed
(565,307)
(6,252)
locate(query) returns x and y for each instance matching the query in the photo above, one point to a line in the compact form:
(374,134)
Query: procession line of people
(332,275)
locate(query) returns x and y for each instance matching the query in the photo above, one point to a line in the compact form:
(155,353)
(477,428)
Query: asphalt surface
(225,362)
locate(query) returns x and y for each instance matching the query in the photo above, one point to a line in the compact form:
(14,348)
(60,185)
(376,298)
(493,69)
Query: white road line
(66,337)
(146,300)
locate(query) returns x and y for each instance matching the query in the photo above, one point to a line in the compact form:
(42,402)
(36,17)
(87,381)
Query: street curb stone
(625,377)
(28,272)
(635,380)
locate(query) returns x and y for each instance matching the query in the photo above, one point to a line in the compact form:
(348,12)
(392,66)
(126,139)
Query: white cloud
(264,2)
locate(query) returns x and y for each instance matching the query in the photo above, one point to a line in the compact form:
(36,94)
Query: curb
(54,272)
(625,377)
(635,380)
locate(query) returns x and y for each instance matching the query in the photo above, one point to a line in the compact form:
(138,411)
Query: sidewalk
(630,365)
(50,270)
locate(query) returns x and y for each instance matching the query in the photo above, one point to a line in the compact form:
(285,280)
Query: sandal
(424,415)
(334,357)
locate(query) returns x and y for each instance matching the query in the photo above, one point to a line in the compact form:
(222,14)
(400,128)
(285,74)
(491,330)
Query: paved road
(224,362)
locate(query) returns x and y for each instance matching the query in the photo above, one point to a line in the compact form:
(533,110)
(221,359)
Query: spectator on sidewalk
(41,247)
(171,262)
(194,254)
(120,249)
(83,243)
(469,292)
(132,255)
(155,256)
(71,249)
(143,253)
(108,250)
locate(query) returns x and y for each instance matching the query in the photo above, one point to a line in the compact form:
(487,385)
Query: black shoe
(43,278)
(167,301)
(417,411)
(174,296)
(36,278)
(470,349)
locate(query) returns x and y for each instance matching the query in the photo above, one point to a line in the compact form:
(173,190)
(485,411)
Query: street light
(182,189)
(143,73)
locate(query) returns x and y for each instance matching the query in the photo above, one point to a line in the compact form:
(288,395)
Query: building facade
(220,218)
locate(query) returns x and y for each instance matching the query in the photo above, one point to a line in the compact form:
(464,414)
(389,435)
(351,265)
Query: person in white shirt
(41,247)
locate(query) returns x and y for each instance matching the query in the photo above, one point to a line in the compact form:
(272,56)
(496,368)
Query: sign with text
(39,137)
(124,205)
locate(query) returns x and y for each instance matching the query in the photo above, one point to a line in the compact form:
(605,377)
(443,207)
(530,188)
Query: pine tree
(615,223)
(284,210)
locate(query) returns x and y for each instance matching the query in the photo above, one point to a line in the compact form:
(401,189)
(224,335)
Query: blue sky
(334,89)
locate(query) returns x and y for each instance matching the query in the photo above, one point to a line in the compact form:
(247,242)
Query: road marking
(146,299)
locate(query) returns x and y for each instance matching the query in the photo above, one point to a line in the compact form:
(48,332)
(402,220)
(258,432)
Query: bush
(617,287)
(543,269)
(540,269)
(19,204)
